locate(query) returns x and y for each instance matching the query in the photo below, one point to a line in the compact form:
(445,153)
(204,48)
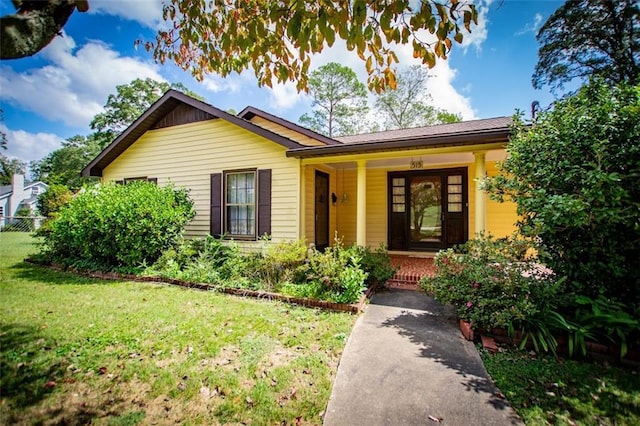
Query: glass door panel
(425,224)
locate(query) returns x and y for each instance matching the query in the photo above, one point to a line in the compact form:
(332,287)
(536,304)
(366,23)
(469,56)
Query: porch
(406,207)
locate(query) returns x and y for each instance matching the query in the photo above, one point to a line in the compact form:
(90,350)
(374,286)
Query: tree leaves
(276,39)
(408,105)
(589,37)
(573,175)
(339,101)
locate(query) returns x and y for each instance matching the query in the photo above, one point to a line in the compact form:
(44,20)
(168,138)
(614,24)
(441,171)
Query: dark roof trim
(249,112)
(432,141)
(159,109)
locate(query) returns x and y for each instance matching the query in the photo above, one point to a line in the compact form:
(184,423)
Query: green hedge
(118,226)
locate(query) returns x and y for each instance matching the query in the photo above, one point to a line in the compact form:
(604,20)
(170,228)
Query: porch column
(481,202)
(361,204)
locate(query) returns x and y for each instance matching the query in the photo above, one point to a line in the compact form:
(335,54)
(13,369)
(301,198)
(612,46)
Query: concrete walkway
(406,363)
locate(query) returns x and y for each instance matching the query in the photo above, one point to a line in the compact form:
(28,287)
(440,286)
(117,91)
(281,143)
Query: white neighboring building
(19,194)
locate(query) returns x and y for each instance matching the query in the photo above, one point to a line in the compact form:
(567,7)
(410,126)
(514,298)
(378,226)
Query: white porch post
(361,204)
(481,203)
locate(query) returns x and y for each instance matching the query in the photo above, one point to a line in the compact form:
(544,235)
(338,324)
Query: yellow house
(253,174)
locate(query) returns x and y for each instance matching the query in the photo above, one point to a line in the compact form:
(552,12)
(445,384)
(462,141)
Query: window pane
(455,189)
(455,207)
(398,190)
(240,210)
(398,208)
(398,181)
(454,179)
(455,198)
(398,199)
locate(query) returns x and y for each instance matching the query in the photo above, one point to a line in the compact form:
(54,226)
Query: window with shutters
(240,204)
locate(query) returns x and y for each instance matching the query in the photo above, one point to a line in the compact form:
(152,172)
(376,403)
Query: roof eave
(436,141)
(146,122)
(249,112)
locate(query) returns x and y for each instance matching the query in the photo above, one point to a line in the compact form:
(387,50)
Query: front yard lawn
(548,391)
(75,350)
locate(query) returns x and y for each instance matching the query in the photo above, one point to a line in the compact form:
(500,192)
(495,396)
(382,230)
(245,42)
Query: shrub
(574,177)
(377,264)
(333,274)
(53,199)
(604,320)
(491,283)
(278,263)
(118,226)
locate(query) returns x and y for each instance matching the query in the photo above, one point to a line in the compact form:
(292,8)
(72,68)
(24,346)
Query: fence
(20,223)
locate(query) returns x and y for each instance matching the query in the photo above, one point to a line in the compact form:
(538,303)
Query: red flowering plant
(493,283)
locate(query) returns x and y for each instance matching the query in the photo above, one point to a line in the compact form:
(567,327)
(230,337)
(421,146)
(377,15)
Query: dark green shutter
(216,205)
(264,202)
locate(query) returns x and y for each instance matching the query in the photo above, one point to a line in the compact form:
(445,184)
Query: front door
(427,209)
(322,210)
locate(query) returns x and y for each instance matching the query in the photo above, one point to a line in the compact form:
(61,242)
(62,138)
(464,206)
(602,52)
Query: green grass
(546,391)
(79,350)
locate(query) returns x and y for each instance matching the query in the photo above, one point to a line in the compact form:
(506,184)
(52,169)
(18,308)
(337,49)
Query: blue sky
(54,94)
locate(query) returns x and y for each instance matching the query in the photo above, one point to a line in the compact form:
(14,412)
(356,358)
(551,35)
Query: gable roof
(249,112)
(473,132)
(7,190)
(154,116)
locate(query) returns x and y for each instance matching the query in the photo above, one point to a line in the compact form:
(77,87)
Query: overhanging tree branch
(34,25)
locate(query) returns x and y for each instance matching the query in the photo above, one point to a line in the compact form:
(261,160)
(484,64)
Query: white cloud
(30,146)
(531,27)
(230,84)
(76,83)
(284,96)
(443,93)
(479,32)
(146,12)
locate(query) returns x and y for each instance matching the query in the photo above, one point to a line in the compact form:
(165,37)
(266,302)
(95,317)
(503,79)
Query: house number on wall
(417,164)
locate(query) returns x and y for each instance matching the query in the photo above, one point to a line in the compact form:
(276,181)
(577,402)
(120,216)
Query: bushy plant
(333,274)
(602,319)
(377,264)
(276,263)
(573,175)
(53,199)
(118,226)
(492,284)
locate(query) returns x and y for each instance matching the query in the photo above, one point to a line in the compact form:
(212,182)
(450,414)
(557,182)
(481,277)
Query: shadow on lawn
(25,366)
(46,275)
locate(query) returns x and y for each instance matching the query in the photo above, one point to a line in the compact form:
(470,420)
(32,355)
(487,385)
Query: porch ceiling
(404,161)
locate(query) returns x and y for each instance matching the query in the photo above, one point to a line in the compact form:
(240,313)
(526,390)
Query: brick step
(402,284)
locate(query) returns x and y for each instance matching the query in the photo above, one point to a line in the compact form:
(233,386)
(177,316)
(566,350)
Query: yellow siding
(346,206)
(188,154)
(376,207)
(501,217)
(283,131)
